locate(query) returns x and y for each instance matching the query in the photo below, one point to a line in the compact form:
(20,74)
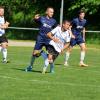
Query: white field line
(51,83)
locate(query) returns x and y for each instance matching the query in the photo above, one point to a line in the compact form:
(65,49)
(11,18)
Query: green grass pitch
(71,83)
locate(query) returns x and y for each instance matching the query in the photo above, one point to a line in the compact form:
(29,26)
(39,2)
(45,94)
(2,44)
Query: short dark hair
(66,21)
(1,7)
(81,11)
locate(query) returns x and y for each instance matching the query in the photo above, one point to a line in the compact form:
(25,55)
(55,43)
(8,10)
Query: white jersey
(63,37)
(2,21)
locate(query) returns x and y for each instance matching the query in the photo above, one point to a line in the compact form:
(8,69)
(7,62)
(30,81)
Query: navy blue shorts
(40,42)
(78,40)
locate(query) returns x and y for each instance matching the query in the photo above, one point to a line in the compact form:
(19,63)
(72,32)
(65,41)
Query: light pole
(61,11)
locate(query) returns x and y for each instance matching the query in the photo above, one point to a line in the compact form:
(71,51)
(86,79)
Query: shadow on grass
(35,71)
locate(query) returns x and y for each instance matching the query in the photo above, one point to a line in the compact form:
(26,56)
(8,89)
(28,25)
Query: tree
(91,6)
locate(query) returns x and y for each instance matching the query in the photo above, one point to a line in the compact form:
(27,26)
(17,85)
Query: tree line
(20,13)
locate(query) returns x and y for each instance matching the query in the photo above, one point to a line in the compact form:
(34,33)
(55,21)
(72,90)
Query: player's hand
(56,40)
(73,36)
(62,51)
(37,16)
(7,23)
(70,27)
(3,26)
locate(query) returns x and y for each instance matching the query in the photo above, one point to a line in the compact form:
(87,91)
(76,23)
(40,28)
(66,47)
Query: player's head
(1,11)
(81,14)
(49,11)
(66,24)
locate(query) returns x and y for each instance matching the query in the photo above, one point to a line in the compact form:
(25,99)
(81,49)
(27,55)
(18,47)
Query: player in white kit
(3,39)
(60,39)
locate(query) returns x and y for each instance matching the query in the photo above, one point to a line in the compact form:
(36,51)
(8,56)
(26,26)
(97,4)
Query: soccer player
(3,39)
(60,39)
(78,26)
(47,23)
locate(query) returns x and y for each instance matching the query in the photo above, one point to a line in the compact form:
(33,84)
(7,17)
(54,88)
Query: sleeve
(73,22)
(54,30)
(85,23)
(68,37)
(55,24)
(38,20)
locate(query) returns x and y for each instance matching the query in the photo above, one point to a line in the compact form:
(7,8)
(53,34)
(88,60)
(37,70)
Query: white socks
(0,48)
(4,53)
(67,54)
(82,56)
(46,63)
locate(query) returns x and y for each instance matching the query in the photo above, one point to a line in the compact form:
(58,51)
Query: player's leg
(82,55)
(68,52)
(55,55)
(50,60)
(36,53)
(67,55)
(47,62)
(0,43)
(3,47)
(82,45)
(0,47)
(4,51)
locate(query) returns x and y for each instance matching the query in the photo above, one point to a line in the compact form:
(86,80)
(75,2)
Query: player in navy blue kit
(78,27)
(47,23)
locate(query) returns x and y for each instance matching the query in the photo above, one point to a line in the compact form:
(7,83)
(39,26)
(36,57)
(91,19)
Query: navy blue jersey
(46,25)
(78,25)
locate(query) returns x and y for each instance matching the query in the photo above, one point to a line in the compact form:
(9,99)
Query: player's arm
(6,24)
(3,26)
(83,34)
(50,35)
(55,25)
(37,18)
(70,28)
(71,34)
(66,46)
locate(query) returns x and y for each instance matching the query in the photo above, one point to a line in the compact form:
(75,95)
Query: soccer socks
(4,53)
(32,60)
(0,48)
(82,56)
(67,54)
(44,55)
(46,63)
(52,67)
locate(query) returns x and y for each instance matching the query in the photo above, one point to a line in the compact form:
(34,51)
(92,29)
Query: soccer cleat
(52,71)
(66,64)
(83,65)
(5,61)
(29,68)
